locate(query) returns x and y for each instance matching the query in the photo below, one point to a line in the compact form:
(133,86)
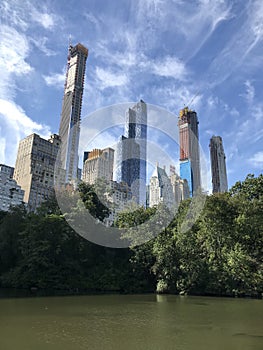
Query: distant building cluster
(42,164)
(11,193)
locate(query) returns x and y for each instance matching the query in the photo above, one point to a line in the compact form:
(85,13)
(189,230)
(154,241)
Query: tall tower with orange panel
(189,149)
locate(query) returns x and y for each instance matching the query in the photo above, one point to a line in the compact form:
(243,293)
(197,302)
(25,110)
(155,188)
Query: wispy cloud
(15,68)
(257,160)
(15,125)
(44,18)
(237,48)
(13,51)
(169,66)
(249,95)
(41,44)
(57,80)
(21,14)
(13,13)
(108,78)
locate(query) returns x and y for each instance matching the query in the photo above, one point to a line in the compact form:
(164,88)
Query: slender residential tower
(218,165)
(69,129)
(189,149)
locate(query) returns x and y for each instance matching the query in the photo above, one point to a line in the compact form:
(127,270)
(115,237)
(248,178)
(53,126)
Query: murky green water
(137,322)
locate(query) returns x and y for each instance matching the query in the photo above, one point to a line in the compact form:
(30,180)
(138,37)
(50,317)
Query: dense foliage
(221,254)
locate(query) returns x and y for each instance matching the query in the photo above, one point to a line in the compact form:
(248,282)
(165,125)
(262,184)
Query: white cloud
(14,126)
(13,12)
(57,80)
(193,22)
(22,14)
(14,123)
(238,46)
(108,78)
(173,97)
(250,92)
(167,67)
(91,18)
(46,20)
(41,44)
(257,160)
(14,49)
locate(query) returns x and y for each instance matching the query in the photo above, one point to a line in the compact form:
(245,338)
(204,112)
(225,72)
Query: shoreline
(16,293)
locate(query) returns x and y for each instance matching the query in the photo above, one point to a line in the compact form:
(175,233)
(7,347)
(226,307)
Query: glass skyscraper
(132,153)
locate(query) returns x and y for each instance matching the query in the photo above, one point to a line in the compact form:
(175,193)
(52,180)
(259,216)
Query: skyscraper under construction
(189,149)
(69,129)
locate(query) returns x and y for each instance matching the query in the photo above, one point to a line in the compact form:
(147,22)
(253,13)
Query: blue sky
(167,52)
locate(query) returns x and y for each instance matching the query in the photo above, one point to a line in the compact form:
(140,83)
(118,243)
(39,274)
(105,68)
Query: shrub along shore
(221,254)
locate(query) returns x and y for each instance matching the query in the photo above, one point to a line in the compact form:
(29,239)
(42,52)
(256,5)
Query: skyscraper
(218,165)
(180,186)
(35,168)
(69,129)
(132,150)
(160,188)
(11,193)
(189,149)
(98,165)
(128,165)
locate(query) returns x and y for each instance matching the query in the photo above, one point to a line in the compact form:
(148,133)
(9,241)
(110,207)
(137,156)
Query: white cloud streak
(257,160)
(57,80)
(14,126)
(108,78)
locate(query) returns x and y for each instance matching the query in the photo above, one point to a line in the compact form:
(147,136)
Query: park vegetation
(220,254)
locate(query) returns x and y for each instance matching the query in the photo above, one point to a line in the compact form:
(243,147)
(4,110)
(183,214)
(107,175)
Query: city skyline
(126,65)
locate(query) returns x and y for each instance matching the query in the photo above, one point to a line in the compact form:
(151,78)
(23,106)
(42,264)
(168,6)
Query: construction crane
(192,99)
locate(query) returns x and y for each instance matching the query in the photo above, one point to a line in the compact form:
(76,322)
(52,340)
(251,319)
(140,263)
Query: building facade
(35,168)
(128,165)
(118,196)
(160,189)
(189,149)
(180,188)
(218,165)
(98,164)
(11,193)
(69,129)
(132,151)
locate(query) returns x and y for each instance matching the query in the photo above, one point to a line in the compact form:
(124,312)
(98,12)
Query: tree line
(220,253)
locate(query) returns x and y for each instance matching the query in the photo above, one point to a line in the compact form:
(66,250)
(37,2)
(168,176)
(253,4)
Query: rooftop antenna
(70,40)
